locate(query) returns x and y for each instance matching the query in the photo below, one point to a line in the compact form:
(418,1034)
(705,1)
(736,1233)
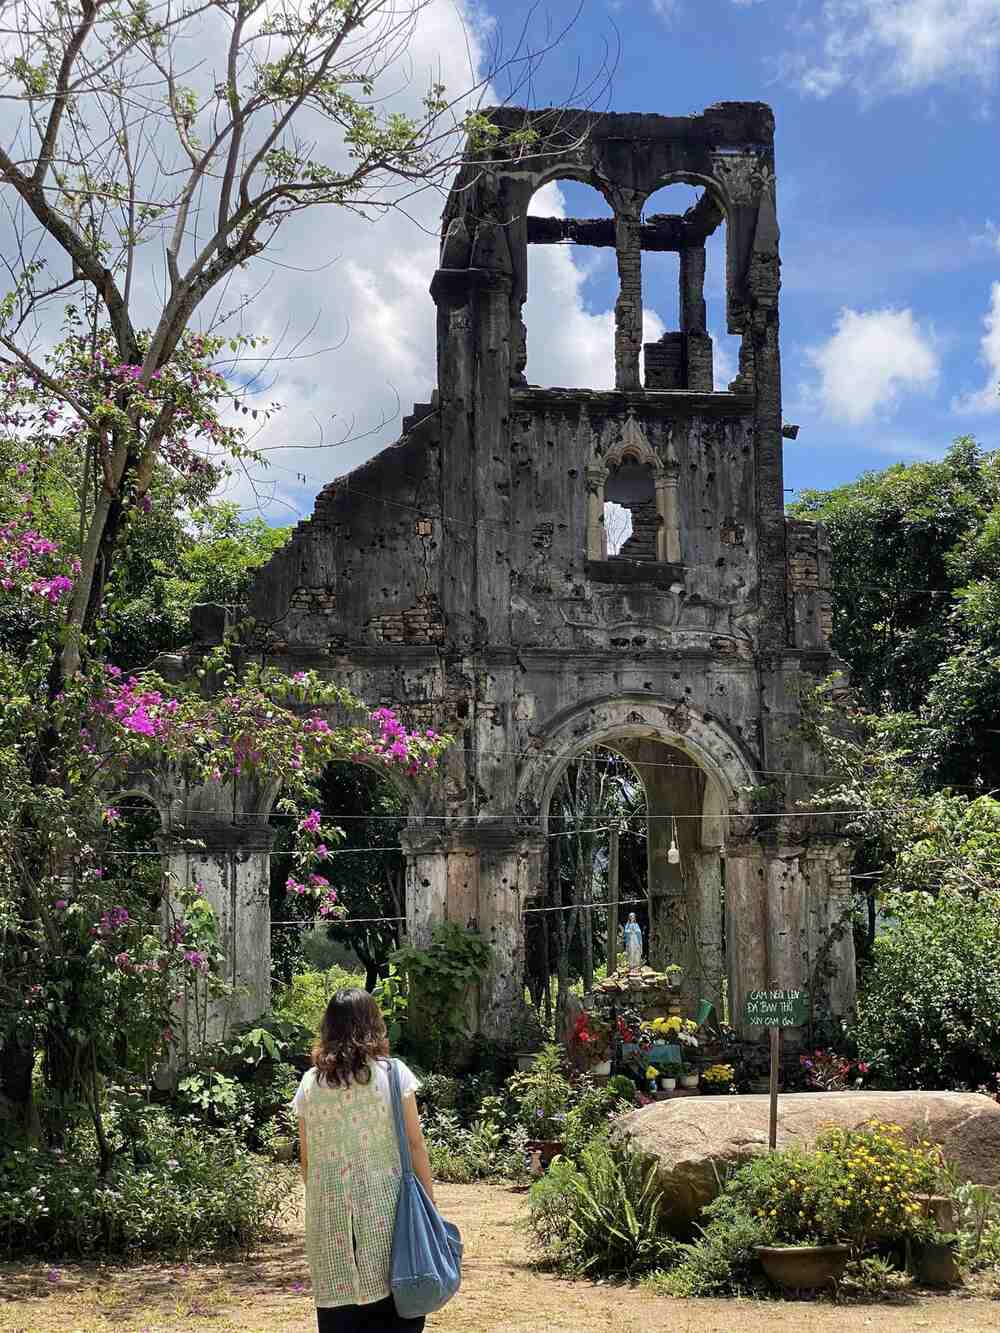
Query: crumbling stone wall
(461,576)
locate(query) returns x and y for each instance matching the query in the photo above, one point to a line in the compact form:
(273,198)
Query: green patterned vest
(352,1187)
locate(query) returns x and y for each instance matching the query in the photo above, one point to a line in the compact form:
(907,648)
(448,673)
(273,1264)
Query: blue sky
(888,192)
(888,199)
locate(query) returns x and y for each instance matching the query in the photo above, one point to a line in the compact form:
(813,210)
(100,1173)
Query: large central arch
(697,777)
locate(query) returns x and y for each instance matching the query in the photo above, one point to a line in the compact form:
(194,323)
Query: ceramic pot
(690,1080)
(803,1267)
(602,1068)
(668,1084)
(545,1148)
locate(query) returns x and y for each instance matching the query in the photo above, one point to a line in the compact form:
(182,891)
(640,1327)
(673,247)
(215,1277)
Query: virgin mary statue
(633,943)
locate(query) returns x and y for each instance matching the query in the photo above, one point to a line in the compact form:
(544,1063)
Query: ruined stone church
(463,576)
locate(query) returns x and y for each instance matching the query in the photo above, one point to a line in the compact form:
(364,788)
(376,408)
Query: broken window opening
(568,299)
(631,487)
(686,296)
(617,526)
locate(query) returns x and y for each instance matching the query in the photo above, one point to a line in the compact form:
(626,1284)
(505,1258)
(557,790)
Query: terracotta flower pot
(803,1267)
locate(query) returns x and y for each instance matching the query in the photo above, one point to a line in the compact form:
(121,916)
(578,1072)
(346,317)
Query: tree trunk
(17,1059)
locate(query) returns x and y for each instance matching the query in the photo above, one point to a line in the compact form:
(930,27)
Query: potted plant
(670,1072)
(593,1036)
(674,972)
(855,1190)
(689,1076)
(543,1095)
(826,1071)
(653,1077)
(527,1036)
(717,1078)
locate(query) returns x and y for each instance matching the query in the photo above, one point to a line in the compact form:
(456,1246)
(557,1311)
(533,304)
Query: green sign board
(776,1008)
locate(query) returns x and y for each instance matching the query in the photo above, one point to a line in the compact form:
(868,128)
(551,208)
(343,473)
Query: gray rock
(698,1140)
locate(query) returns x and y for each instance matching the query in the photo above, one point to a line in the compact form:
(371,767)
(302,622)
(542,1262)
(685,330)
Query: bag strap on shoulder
(405,1159)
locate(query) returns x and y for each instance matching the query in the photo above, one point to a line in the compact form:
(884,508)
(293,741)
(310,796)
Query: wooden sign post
(775,1009)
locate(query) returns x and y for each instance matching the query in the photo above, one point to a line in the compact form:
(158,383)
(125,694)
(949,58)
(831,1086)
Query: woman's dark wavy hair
(351,1035)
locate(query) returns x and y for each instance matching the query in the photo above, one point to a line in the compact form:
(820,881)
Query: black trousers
(380,1317)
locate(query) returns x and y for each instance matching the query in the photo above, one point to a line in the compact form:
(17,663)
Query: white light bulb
(673,856)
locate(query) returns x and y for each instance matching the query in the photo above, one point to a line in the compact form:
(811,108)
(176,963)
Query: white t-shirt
(408,1084)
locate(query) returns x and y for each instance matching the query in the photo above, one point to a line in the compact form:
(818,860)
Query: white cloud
(870,360)
(896,46)
(664,9)
(990,235)
(988,397)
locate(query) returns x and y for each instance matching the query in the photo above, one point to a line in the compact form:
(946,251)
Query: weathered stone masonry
(462,575)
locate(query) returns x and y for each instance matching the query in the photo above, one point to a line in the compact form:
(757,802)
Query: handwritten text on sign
(776,1008)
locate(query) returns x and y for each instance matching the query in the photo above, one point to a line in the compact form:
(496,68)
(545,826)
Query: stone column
(508,875)
(693,312)
(628,307)
(233,868)
(788,912)
(668,535)
(426,885)
(597,537)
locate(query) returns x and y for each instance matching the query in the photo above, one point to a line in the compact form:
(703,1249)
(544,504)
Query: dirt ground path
(501,1294)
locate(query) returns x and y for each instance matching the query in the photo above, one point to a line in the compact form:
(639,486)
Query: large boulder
(697,1139)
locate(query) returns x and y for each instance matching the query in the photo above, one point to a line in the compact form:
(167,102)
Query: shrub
(929,1011)
(193,1192)
(594,1109)
(601,1215)
(721,1262)
(855,1186)
(542,1095)
(484,1150)
(306,996)
(873,1277)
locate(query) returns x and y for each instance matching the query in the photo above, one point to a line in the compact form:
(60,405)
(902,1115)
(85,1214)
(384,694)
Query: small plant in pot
(670,1072)
(717,1078)
(593,1036)
(689,1075)
(542,1096)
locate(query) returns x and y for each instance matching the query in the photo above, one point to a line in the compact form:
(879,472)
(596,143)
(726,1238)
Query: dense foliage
(930,1007)
(182,1193)
(916,600)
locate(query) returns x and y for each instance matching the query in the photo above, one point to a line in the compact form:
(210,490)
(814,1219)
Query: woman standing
(350,1165)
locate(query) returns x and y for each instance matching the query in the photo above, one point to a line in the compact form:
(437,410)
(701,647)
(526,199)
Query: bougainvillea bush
(90,973)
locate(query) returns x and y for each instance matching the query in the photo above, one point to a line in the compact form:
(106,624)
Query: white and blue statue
(633,943)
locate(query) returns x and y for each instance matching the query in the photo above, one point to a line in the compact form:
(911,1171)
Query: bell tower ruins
(463,575)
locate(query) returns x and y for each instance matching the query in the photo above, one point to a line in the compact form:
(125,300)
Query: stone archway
(696,777)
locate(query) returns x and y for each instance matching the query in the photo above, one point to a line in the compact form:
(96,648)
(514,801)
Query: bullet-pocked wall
(464,575)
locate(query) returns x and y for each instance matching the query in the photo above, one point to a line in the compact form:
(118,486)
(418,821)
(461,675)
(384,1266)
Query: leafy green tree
(174,562)
(901,543)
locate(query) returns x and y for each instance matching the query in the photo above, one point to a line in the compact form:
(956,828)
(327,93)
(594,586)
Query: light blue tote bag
(425,1268)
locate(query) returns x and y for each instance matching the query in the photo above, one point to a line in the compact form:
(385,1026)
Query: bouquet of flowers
(675,1028)
(593,1036)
